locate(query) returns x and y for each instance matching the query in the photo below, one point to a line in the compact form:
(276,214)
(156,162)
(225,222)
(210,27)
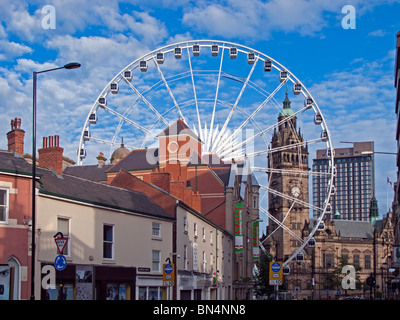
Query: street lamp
(72,65)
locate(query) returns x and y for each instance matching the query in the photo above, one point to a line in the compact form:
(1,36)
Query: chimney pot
(44,142)
(51,155)
(15,137)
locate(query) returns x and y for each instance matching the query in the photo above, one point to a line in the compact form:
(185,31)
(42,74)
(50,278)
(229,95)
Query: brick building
(124,219)
(209,187)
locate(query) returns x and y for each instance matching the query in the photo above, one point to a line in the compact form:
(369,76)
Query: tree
(261,279)
(333,280)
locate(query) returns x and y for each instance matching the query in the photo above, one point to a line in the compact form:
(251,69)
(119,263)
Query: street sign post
(61,243)
(275,273)
(168,274)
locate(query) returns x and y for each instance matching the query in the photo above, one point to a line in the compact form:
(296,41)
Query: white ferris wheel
(230,95)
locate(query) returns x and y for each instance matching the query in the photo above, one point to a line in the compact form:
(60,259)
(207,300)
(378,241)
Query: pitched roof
(354,229)
(13,163)
(178,127)
(101,194)
(142,159)
(83,190)
(89,172)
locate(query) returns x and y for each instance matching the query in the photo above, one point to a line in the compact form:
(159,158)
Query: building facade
(349,237)
(104,226)
(15,226)
(356,243)
(354,181)
(208,186)
(202,250)
(200,192)
(118,239)
(290,180)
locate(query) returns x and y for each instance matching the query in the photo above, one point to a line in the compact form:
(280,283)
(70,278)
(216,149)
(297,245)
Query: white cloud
(227,20)
(260,19)
(358,105)
(148,28)
(377,33)
(10,50)
(17,20)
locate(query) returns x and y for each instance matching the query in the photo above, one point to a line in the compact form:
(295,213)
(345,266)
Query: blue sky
(349,72)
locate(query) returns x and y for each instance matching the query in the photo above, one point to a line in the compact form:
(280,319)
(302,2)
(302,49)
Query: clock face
(295,191)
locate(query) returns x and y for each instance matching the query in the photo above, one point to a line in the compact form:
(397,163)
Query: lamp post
(72,65)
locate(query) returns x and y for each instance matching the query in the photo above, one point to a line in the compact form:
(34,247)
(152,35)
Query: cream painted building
(203,257)
(117,239)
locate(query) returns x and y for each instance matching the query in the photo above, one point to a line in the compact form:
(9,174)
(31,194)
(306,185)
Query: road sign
(276,267)
(275,273)
(168,274)
(61,243)
(60,262)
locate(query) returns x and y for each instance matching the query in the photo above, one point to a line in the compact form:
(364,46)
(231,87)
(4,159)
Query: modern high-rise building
(354,181)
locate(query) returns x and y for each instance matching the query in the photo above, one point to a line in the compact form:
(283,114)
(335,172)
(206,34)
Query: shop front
(150,287)
(195,286)
(89,282)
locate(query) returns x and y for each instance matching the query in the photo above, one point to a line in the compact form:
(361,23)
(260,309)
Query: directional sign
(275,273)
(168,274)
(60,262)
(61,243)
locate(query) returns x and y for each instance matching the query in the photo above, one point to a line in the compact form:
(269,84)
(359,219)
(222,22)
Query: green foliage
(333,280)
(261,280)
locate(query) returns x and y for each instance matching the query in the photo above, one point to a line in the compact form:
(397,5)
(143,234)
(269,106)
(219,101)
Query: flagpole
(387,197)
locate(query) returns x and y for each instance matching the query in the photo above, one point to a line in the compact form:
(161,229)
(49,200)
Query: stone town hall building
(360,242)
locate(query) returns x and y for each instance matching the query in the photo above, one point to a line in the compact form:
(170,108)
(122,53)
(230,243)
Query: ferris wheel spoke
(147,103)
(121,121)
(283,220)
(239,97)
(290,198)
(169,91)
(238,130)
(194,92)
(281,224)
(133,123)
(293,172)
(283,148)
(108,142)
(216,96)
(270,128)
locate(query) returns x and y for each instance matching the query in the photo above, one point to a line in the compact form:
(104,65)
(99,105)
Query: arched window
(16,280)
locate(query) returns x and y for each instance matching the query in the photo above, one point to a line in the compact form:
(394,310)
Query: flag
(256,248)
(390,182)
(238,222)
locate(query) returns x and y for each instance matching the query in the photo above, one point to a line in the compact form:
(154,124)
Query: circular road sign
(168,268)
(60,262)
(276,267)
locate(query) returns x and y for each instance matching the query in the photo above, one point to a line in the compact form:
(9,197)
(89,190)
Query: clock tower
(288,183)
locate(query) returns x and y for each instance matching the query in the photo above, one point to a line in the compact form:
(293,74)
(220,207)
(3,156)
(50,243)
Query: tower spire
(286,102)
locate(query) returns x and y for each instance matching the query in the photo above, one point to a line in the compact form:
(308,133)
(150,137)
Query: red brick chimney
(16,137)
(51,155)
